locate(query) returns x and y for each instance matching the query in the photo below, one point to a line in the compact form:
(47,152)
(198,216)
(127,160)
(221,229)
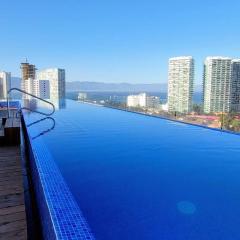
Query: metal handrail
(22,91)
(41,120)
(44,131)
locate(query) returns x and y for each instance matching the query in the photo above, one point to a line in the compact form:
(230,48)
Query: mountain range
(120,87)
(117,87)
(113,87)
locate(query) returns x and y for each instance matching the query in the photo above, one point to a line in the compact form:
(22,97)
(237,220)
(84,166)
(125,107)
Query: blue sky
(116,41)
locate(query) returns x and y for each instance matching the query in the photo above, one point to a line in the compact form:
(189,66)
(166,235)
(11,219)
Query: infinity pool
(137,177)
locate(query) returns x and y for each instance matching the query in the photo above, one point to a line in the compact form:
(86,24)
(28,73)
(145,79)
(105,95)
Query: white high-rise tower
(180,84)
(56,78)
(235,85)
(5,84)
(217,84)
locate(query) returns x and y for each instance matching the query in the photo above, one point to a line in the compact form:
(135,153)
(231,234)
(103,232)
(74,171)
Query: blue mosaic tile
(61,217)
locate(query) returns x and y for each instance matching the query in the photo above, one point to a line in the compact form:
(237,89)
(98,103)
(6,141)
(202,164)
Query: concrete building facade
(56,78)
(217,84)
(143,100)
(44,89)
(180,84)
(139,100)
(5,84)
(235,85)
(28,79)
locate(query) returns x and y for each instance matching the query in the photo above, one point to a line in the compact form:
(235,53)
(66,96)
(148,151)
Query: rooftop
(181,58)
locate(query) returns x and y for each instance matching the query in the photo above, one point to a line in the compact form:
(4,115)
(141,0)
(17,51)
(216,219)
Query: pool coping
(60,215)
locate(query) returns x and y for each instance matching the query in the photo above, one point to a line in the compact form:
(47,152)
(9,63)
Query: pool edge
(173,120)
(60,215)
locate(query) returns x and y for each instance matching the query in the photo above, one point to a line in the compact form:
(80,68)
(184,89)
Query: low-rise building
(82,96)
(153,102)
(164,107)
(143,100)
(139,100)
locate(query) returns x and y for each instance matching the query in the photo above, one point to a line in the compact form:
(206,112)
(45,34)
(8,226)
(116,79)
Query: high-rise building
(44,89)
(180,84)
(56,78)
(235,85)
(31,86)
(5,84)
(28,79)
(28,72)
(217,84)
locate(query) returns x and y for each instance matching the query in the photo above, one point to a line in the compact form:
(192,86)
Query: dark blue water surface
(140,177)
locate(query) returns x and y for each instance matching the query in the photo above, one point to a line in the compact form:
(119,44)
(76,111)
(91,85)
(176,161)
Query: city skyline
(198,81)
(117,42)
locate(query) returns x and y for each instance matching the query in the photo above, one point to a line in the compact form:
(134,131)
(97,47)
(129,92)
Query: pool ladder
(29,109)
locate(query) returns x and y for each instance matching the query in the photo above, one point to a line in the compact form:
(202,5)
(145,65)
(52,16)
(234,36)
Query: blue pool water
(140,177)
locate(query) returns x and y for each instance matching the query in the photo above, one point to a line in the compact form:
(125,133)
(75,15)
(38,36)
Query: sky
(116,41)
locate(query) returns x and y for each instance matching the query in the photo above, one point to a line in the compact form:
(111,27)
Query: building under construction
(28,71)
(28,78)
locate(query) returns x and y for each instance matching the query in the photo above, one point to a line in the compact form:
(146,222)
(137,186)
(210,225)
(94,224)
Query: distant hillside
(111,87)
(119,87)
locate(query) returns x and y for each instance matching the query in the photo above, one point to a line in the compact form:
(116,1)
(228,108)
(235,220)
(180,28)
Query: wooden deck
(12,208)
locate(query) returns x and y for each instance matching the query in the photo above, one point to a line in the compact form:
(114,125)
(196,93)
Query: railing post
(8,110)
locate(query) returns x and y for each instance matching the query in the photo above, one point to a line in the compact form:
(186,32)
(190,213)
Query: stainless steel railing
(29,109)
(44,131)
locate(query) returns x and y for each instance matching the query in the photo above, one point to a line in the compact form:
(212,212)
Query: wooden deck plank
(12,209)
(15,209)
(10,169)
(9,174)
(7,177)
(12,226)
(12,217)
(15,235)
(9,191)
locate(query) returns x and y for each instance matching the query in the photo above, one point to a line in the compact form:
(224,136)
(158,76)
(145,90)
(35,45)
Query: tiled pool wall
(60,216)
